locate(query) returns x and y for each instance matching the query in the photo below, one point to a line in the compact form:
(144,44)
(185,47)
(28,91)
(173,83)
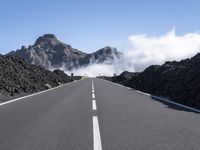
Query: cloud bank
(103,69)
(148,50)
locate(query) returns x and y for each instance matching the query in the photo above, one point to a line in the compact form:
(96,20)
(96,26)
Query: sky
(148,32)
(89,25)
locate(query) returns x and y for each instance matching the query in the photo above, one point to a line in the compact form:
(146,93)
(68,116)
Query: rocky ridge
(51,53)
(177,81)
(20,78)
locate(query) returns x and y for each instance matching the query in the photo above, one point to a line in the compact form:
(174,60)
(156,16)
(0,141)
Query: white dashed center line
(94,106)
(92,85)
(93,95)
(96,134)
(96,131)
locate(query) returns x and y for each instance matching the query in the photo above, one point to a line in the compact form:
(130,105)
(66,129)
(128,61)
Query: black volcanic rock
(51,53)
(124,77)
(18,77)
(178,81)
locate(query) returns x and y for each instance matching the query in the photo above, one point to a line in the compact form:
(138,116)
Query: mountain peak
(52,36)
(109,48)
(45,39)
(49,52)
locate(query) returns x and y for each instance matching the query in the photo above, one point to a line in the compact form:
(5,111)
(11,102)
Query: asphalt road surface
(94,114)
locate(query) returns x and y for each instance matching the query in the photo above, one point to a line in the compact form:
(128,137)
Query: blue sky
(89,25)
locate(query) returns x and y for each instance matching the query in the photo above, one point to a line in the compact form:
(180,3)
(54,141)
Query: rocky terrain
(51,53)
(19,78)
(178,81)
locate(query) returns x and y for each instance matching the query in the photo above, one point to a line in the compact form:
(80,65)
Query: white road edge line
(160,98)
(96,134)
(143,93)
(181,105)
(117,84)
(20,98)
(94,105)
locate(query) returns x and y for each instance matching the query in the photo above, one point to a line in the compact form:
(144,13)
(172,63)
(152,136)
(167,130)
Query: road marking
(21,98)
(160,98)
(93,95)
(96,134)
(92,84)
(94,105)
(147,94)
(120,85)
(181,105)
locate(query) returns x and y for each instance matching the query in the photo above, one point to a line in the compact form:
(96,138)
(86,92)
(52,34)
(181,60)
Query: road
(94,114)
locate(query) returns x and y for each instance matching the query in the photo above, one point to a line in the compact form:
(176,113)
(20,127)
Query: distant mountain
(19,78)
(178,81)
(49,52)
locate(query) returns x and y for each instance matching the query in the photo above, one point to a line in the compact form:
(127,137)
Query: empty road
(94,114)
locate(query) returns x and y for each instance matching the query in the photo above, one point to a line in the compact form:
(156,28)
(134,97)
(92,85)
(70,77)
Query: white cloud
(148,50)
(94,70)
